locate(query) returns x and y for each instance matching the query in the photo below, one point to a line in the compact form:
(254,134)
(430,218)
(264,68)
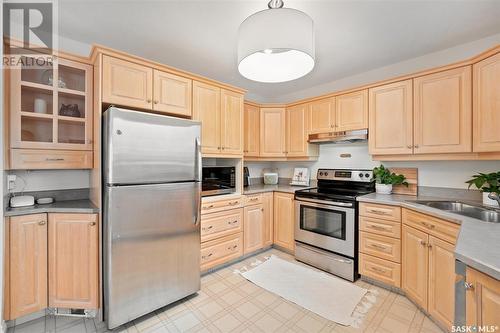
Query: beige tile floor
(229,303)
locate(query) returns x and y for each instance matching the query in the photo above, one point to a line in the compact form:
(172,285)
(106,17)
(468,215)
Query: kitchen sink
(460,208)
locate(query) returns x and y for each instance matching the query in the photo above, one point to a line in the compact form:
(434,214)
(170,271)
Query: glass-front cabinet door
(51,106)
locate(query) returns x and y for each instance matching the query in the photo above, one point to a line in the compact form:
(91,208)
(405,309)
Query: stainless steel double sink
(460,208)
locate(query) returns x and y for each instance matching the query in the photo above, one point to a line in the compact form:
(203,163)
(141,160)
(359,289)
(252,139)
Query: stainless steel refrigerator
(151,218)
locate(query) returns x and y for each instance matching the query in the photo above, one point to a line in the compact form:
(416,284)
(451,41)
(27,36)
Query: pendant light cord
(275,4)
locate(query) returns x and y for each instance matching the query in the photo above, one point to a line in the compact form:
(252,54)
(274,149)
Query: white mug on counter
(40,105)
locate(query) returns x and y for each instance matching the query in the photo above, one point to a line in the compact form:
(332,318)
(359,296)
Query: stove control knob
(367,175)
(326,173)
(361,175)
(321,173)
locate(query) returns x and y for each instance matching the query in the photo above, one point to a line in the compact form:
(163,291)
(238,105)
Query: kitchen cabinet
(268,205)
(50,109)
(221,115)
(126,83)
(272,132)
(73,253)
(52,260)
(322,115)
(172,93)
(482,300)
(415,265)
(251,131)
(284,220)
(486,105)
(391,118)
(253,230)
(443,112)
(428,264)
(441,303)
(220,224)
(27,259)
(351,111)
(221,250)
(130,84)
(297,125)
(231,122)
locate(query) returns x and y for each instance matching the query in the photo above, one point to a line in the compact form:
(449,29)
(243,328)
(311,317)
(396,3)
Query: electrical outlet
(11,181)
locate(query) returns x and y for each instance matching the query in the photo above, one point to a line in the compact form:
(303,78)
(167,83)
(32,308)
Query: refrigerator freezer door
(145,148)
(151,248)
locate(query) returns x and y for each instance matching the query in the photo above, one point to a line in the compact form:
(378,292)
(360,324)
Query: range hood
(340,137)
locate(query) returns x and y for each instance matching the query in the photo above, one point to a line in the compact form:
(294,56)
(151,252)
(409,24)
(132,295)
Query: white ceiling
(351,36)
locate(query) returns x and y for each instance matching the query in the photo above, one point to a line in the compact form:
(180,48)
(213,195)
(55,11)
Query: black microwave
(218,180)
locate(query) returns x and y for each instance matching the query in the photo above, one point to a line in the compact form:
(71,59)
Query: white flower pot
(383,188)
(487,201)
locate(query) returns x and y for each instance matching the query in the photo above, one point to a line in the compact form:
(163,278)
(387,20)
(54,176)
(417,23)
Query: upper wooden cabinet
(129,84)
(73,261)
(221,114)
(251,132)
(486,105)
(284,212)
(351,111)
(443,112)
(172,93)
(206,108)
(272,132)
(391,118)
(482,300)
(297,124)
(126,83)
(27,278)
(322,115)
(231,122)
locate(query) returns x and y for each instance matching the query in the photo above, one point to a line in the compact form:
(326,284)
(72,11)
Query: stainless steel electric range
(326,221)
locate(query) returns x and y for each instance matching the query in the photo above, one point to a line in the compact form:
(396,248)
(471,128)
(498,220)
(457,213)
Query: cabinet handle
(410,146)
(218,148)
(156,102)
(41,223)
(232,222)
(378,212)
(208,228)
(254,199)
(92,224)
(208,207)
(429,246)
(232,203)
(380,247)
(428,225)
(423,243)
(468,286)
(415,146)
(234,247)
(376,269)
(148,100)
(376,227)
(54,159)
(207,256)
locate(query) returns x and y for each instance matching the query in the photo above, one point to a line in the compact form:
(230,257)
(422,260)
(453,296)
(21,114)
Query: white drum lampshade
(276,45)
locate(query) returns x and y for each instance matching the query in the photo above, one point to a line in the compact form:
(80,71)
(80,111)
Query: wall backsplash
(43,180)
(450,174)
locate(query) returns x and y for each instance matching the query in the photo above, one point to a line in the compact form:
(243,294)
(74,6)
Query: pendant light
(276,44)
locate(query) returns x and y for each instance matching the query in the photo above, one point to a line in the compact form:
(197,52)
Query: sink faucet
(494,196)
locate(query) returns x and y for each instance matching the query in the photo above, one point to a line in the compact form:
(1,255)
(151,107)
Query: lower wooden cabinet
(73,261)
(284,220)
(65,243)
(268,205)
(415,269)
(482,299)
(221,250)
(253,230)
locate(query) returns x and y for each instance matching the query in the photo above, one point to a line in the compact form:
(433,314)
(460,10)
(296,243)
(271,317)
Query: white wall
(2,181)
(450,174)
(42,180)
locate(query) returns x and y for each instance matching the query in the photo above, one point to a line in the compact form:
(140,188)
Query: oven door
(327,226)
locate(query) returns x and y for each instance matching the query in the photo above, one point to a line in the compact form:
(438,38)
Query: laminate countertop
(83,206)
(478,243)
(261,188)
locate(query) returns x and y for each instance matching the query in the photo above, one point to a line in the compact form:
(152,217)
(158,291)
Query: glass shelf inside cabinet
(36,100)
(72,79)
(71,132)
(36,75)
(35,129)
(71,105)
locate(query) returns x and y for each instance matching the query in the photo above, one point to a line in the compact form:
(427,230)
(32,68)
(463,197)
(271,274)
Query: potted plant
(487,183)
(384,179)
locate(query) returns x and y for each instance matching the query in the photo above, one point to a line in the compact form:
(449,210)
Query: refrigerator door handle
(197,201)
(198,161)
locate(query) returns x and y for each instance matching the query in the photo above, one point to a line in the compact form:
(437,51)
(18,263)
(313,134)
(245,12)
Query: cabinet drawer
(442,229)
(217,206)
(392,213)
(221,224)
(380,227)
(380,270)
(50,159)
(380,246)
(221,250)
(253,199)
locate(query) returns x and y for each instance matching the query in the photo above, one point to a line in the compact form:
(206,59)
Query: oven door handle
(327,203)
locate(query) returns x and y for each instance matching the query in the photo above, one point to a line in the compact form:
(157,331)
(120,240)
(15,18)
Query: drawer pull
(232,247)
(379,270)
(208,207)
(92,224)
(378,212)
(232,222)
(428,225)
(380,247)
(48,159)
(254,199)
(207,256)
(468,286)
(423,243)
(232,203)
(377,227)
(41,223)
(208,228)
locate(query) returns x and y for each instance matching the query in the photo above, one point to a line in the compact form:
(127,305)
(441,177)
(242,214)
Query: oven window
(323,221)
